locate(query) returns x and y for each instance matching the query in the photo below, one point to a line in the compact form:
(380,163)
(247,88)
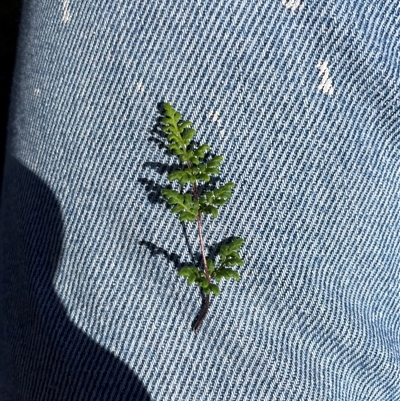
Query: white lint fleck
(326,85)
(292,4)
(66,13)
(214,116)
(139,87)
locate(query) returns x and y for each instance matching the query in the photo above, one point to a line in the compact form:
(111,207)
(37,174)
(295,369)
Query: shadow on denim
(44,355)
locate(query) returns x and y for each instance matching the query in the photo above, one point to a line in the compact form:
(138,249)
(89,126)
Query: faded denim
(302,98)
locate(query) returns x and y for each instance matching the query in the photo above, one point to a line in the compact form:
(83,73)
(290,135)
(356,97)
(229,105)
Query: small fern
(190,204)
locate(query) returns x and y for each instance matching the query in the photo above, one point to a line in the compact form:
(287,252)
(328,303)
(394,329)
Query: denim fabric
(302,98)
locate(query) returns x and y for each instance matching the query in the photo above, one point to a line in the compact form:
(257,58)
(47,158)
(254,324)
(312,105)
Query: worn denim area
(302,98)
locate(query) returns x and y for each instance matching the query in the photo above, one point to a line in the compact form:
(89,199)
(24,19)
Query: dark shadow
(44,356)
(153,190)
(161,168)
(169,256)
(10,11)
(157,136)
(195,257)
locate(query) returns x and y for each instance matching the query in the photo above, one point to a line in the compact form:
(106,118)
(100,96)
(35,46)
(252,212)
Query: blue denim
(302,99)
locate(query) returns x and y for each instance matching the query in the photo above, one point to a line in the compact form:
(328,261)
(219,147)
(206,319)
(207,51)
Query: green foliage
(184,204)
(219,269)
(211,200)
(198,277)
(229,254)
(189,204)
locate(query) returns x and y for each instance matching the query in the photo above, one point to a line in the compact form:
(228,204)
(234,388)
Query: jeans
(302,99)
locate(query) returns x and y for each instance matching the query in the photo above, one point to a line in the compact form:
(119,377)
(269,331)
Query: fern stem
(203,254)
(203,313)
(199,226)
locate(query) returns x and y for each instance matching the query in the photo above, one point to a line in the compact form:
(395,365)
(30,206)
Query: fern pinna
(190,203)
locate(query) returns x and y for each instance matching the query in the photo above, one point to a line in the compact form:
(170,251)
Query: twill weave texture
(303,101)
